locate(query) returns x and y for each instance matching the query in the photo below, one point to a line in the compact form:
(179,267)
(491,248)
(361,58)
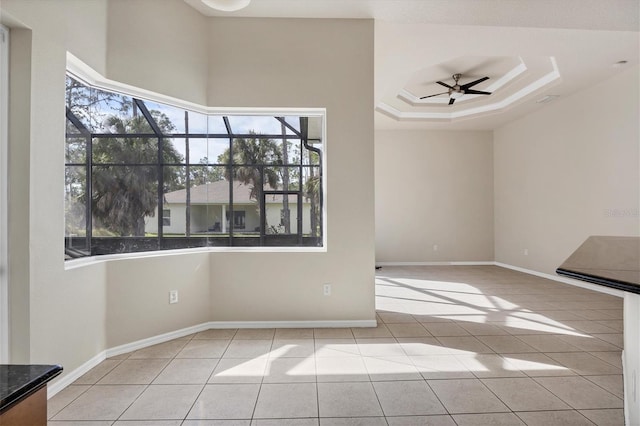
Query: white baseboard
(565,280)
(154,340)
(293,324)
(70,377)
(60,383)
(452,263)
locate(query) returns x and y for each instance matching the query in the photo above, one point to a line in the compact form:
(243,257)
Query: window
(219,180)
(238,219)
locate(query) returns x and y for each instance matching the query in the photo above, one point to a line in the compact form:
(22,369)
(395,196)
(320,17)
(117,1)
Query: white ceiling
(527,48)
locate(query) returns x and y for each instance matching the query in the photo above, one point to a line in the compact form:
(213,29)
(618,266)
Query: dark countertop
(608,261)
(17,381)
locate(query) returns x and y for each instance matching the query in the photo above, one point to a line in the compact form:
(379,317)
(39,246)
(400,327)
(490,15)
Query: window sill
(93,260)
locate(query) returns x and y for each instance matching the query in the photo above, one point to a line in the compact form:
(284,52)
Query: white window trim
(84,73)
(4,138)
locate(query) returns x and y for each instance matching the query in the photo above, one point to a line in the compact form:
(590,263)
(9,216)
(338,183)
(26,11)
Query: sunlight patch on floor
(453,300)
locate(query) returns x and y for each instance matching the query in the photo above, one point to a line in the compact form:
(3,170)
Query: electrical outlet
(326,288)
(173,296)
(526,252)
(435,247)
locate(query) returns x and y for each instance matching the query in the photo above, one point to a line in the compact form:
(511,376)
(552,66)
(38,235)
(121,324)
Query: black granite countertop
(607,261)
(17,381)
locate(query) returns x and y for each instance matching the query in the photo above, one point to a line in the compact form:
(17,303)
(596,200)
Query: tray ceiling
(529,49)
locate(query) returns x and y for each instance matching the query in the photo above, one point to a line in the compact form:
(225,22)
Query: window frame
(166,217)
(90,80)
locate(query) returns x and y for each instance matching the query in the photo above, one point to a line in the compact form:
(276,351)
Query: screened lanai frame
(307,169)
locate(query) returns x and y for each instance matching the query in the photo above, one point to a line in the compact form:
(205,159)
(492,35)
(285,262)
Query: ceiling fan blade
(476,92)
(445,85)
(473,83)
(451,101)
(437,94)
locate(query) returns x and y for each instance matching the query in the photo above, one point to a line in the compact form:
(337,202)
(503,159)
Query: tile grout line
(147,386)
(586,377)
(571,410)
(315,366)
(566,402)
(210,375)
(255,405)
(439,400)
(89,386)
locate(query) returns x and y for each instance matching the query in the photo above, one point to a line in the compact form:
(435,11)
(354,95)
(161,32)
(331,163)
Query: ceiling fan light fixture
(456,95)
(226,5)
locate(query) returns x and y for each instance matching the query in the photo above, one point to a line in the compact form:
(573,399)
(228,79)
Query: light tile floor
(455,345)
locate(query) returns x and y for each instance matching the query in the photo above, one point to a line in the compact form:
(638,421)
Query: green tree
(75,182)
(87,103)
(250,164)
(203,174)
(125,190)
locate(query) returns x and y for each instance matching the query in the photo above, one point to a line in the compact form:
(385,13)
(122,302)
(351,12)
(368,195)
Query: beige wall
(568,171)
(158,45)
(304,63)
(69,316)
(434,188)
(57,316)
(138,296)
(18,191)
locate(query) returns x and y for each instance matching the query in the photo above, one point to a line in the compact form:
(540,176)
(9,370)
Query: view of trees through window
(143,176)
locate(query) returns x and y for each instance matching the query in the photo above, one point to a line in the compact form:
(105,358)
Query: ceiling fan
(457,91)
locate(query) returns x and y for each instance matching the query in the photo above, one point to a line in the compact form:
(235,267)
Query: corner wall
(57,315)
(568,171)
(305,63)
(434,188)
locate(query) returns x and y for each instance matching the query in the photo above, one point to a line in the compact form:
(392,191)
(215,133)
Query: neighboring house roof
(218,193)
